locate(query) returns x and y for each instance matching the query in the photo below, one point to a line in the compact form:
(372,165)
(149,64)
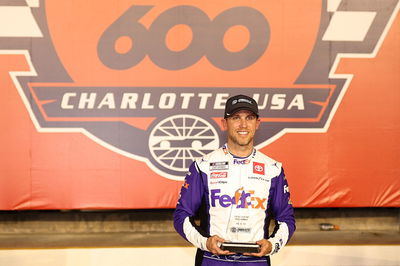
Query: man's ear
(258,123)
(224,125)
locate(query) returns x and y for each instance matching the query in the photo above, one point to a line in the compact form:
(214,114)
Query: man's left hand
(265,248)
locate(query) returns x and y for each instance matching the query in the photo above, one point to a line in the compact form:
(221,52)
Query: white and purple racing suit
(234,198)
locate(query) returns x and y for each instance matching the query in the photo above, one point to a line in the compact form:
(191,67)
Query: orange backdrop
(354,162)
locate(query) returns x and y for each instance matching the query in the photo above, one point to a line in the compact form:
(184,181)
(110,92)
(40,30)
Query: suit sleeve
(189,202)
(283,213)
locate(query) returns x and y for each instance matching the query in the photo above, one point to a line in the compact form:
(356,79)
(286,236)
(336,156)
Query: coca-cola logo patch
(219,175)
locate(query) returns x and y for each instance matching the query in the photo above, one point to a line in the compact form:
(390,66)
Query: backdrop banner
(106,103)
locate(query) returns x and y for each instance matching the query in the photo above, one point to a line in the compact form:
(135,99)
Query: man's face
(241,127)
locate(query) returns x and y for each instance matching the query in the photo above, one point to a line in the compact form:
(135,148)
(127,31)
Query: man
(236,190)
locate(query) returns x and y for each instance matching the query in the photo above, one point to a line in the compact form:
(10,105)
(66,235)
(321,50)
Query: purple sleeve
(281,204)
(190,198)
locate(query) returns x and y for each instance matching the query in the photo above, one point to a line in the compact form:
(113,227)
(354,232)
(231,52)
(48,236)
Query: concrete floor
(346,255)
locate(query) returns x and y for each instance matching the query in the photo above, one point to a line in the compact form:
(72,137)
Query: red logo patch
(219,175)
(258,168)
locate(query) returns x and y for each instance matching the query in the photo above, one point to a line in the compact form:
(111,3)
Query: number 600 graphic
(207,38)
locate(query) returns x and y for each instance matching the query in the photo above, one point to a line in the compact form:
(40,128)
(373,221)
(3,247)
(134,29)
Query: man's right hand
(213,245)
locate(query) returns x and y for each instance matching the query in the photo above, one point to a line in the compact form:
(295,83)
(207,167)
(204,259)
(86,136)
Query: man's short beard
(234,140)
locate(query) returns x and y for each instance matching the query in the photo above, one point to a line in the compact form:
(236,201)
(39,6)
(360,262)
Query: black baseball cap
(240,102)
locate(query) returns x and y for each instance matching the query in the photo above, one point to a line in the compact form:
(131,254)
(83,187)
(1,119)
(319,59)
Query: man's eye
(251,117)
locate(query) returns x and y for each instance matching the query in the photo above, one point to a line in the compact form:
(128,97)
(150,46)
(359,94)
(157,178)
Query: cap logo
(242,100)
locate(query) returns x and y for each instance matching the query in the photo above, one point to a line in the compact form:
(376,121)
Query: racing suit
(235,198)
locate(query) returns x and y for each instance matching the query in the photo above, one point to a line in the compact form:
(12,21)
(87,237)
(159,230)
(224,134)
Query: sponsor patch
(218,182)
(258,168)
(260,178)
(240,230)
(219,175)
(242,199)
(241,161)
(219,166)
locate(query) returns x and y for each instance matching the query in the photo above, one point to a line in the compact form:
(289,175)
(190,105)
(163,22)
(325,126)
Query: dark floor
(145,228)
(172,239)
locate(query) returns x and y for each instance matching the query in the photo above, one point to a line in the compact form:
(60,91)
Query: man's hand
(213,245)
(265,248)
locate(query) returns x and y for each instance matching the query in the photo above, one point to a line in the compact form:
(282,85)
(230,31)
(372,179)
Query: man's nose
(243,122)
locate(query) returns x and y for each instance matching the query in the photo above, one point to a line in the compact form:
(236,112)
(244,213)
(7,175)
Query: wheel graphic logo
(177,140)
